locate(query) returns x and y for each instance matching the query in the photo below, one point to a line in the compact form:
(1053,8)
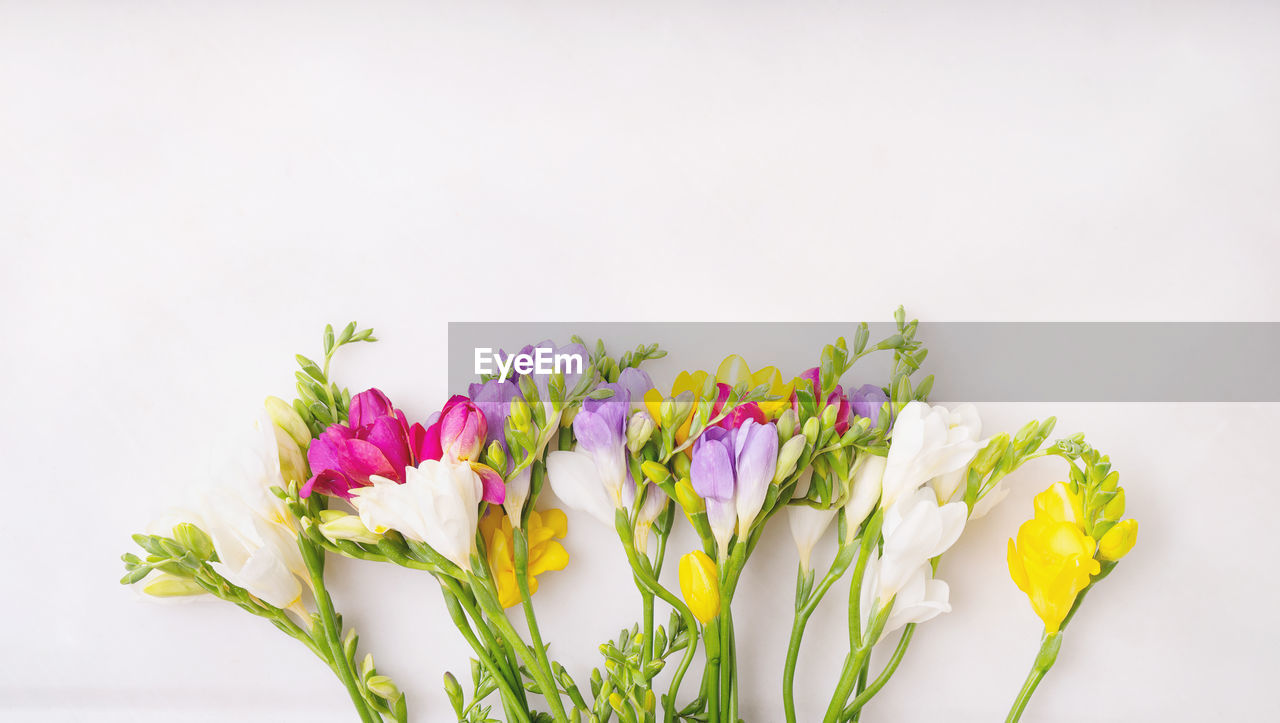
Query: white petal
(575,480)
(952,518)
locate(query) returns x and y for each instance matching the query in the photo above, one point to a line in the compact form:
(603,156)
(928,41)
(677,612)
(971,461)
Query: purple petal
(712,471)
(388,436)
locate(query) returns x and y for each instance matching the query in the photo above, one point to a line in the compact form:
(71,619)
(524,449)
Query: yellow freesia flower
(544,552)
(1052,562)
(699,585)
(734,370)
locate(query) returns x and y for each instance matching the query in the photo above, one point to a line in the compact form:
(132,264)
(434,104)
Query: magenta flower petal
(367,406)
(389,437)
(362,460)
(494,489)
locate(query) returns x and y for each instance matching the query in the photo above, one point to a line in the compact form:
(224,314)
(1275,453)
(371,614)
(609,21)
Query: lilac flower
(731,470)
(867,401)
(601,429)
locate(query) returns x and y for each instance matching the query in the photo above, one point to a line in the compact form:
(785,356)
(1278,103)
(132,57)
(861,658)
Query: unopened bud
(787,423)
(788,455)
(454,691)
(990,454)
(1119,540)
(293,466)
(381,686)
(655,471)
(194,539)
(521,416)
(495,457)
(688,498)
(166,585)
(336,525)
(639,428)
(1114,509)
(811,430)
(286,418)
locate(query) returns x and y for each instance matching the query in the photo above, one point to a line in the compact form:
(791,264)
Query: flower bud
(293,466)
(787,423)
(829,416)
(462,430)
(286,418)
(521,416)
(639,428)
(1118,540)
(194,539)
(699,585)
(656,472)
(788,455)
(811,430)
(690,500)
(381,686)
(990,454)
(682,464)
(454,691)
(336,525)
(166,585)
(1114,509)
(495,457)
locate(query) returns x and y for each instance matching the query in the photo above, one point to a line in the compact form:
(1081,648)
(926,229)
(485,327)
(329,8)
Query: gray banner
(972,361)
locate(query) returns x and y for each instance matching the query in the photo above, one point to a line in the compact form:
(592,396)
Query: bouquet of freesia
(459,496)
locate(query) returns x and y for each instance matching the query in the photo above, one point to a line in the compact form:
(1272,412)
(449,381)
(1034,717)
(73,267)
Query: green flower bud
(336,525)
(655,471)
(682,464)
(166,585)
(788,455)
(990,454)
(194,539)
(454,691)
(787,424)
(495,457)
(293,465)
(521,416)
(381,686)
(811,430)
(1114,509)
(829,416)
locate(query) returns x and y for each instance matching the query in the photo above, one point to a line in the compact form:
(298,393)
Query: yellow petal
(551,556)
(1119,540)
(733,370)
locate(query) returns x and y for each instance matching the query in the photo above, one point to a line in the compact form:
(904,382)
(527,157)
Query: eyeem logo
(541,361)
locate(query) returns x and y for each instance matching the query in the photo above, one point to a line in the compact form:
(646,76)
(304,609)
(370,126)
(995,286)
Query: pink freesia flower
(457,434)
(377,440)
(836,397)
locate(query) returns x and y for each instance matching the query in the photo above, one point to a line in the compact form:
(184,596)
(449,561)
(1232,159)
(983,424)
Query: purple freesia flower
(601,428)
(867,401)
(731,470)
(377,440)
(637,382)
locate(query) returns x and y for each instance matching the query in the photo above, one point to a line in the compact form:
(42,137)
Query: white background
(189,191)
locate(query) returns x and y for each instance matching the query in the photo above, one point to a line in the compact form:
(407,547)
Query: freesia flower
(865,492)
(576,481)
(920,598)
(600,427)
(1052,561)
(376,441)
(807,523)
(253,554)
(545,554)
(916,529)
(925,444)
(700,586)
(732,470)
(437,504)
(963,424)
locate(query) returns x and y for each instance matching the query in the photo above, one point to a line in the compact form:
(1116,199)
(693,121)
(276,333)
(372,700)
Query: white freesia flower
(655,502)
(921,597)
(867,483)
(438,504)
(576,481)
(253,553)
(963,424)
(916,530)
(807,523)
(925,444)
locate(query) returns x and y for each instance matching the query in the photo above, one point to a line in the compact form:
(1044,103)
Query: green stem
(502,678)
(803,613)
(489,603)
(314,559)
(855,662)
(1044,660)
(855,708)
(711,638)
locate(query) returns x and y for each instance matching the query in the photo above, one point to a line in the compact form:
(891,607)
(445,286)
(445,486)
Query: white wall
(189,191)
